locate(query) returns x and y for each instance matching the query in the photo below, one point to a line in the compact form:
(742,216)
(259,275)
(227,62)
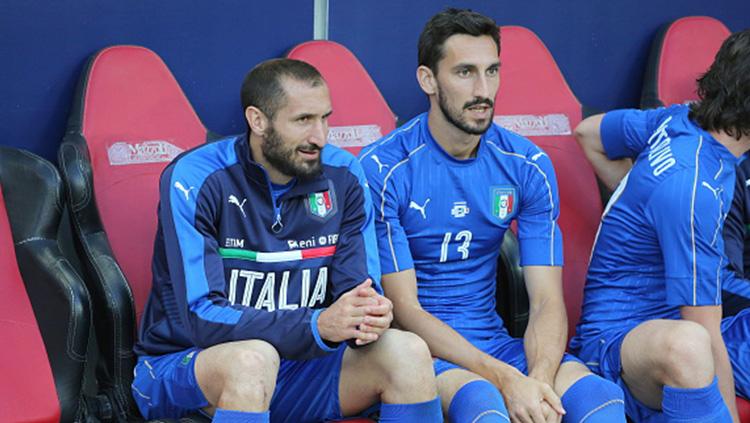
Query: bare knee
(239,375)
(405,360)
(685,359)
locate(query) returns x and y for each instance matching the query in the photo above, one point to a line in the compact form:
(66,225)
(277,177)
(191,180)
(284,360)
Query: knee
(404,350)
(686,356)
(253,357)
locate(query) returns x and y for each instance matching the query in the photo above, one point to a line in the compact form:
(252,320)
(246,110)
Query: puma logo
(381,166)
(714,191)
(420,209)
(236,202)
(184,190)
(537,155)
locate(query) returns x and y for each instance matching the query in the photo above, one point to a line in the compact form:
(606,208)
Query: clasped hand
(360,314)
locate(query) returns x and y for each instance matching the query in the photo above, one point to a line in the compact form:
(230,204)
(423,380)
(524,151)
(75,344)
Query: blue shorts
(505,348)
(306,391)
(602,356)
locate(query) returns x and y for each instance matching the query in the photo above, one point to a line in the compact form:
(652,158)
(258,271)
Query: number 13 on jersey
(463,239)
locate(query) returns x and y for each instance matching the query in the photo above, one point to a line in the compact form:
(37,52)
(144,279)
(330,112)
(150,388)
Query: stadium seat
(681,52)
(534,100)
(128,121)
(360,113)
(44,350)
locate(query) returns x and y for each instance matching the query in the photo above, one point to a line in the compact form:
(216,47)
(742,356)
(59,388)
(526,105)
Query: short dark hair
(724,90)
(448,23)
(262,85)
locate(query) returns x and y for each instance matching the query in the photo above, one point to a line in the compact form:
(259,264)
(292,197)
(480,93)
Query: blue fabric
(165,386)
(446,217)
(231,416)
(428,411)
(659,246)
(478,401)
(736,292)
(736,333)
(214,198)
(505,348)
(594,400)
(695,405)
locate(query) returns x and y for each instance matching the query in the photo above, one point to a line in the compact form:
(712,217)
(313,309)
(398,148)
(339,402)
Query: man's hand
(344,318)
(378,318)
(529,400)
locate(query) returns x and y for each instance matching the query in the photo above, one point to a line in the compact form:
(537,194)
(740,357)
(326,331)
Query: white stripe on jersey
(388,138)
(382,202)
(549,192)
(692,223)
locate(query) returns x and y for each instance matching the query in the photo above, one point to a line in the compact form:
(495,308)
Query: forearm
(445,343)
(544,340)
(724,373)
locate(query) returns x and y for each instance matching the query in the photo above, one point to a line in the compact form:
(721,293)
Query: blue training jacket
(231,264)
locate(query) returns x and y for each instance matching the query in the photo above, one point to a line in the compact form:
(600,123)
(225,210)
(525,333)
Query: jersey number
(463,237)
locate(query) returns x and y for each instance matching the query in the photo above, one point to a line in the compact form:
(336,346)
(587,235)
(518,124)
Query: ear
(256,120)
(427,80)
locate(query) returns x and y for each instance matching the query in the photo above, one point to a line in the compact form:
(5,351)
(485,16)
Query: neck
(274,175)
(735,146)
(454,141)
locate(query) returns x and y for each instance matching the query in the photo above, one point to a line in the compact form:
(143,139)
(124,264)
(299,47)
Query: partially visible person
(652,316)
(446,187)
(264,269)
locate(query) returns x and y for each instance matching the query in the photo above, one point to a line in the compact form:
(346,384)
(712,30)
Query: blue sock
(428,411)
(231,416)
(702,405)
(593,399)
(478,401)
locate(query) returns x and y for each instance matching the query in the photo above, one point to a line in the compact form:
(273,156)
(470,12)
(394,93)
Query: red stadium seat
(129,120)
(360,113)
(535,101)
(44,348)
(681,52)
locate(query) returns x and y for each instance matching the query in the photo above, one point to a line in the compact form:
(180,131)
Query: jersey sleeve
(187,219)
(539,235)
(356,257)
(686,212)
(625,133)
(393,245)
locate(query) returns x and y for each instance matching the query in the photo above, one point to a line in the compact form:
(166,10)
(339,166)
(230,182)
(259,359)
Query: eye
(464,72)
(303,119)
(493,71)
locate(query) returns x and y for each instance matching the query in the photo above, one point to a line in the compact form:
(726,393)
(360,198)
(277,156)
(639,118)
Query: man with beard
(446,187)
(265,268)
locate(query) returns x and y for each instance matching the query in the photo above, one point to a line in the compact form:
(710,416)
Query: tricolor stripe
(278,256)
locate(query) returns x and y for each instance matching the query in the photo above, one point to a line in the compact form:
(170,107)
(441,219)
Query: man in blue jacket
(652,316)
(265,268)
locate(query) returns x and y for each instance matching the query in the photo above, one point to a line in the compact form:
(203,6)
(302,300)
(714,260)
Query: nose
(482,87)
(319,133)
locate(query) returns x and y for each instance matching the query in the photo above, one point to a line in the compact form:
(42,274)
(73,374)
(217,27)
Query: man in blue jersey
(264,265)
(735,294)
(652,318)
(446,186)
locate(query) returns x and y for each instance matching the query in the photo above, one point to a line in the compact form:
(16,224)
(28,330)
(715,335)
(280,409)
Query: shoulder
(507,146)
(196,165)
(394,148)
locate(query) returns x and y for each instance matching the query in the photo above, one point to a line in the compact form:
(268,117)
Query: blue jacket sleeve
(626,133)
(187,214)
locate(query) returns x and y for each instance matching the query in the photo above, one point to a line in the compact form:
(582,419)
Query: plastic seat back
(360,113)
(680,53)
(534,100)
(129,119)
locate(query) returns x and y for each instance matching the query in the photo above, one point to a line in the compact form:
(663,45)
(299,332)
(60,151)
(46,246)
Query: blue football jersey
(446,217)
(660,244)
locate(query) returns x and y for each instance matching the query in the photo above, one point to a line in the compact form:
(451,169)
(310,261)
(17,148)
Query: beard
(285,159)
(454,116)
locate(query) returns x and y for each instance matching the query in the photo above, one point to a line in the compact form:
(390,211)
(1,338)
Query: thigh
(736,333)
(308,391)
(165,386)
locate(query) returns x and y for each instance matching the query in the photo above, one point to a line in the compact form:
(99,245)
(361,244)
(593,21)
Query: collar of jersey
(433,144)
(258,175)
